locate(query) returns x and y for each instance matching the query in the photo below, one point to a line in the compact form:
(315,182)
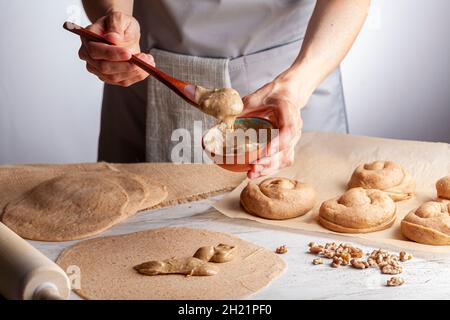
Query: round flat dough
(67,208)
(106,266)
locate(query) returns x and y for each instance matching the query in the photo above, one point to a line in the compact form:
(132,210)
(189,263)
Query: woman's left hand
(280,101)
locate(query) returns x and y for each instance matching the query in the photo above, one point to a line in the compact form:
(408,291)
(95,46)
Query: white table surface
(425,278)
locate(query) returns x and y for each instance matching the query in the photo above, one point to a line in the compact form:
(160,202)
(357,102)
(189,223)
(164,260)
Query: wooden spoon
(184,89)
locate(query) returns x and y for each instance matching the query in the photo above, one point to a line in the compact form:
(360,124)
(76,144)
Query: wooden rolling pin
(26,274)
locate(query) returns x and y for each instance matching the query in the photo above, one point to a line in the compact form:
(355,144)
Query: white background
(396,79)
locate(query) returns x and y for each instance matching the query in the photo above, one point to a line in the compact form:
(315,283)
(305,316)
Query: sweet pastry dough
(106,266)
(443,188)
(76,206)
(386,176)
(278,198)
(67,208)
(358,210)
(428,224)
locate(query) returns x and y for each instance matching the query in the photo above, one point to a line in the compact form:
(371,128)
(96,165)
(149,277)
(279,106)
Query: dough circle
(358,210)
(386,176)
(278,198)
(76,206)
(106,266)
(443,188)
(428,224)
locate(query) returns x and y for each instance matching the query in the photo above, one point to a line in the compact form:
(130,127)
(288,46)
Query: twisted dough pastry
(386,176)
(358,210)
(443,188)
(429,224)
(278,198)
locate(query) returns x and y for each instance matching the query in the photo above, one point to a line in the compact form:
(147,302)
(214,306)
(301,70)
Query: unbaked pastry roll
(278,198)
(386,176)
(443,188)
(358,210)
(428,224)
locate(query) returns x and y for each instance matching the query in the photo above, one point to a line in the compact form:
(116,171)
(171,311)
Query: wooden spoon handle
(184,89)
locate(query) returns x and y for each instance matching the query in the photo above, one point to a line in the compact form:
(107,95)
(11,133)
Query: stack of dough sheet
(69,202)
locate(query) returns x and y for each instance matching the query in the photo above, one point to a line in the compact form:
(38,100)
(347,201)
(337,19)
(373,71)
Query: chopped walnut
(372,263)
(404,256)
(331,246)
(336,262)
(281,250)
(395,281)
(316,249)
(359,264)
(328,253)
(345,254)
(346,257)
(317,261)
(390,269)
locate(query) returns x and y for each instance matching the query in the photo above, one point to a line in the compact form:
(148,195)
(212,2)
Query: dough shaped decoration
(443,188)
(386,176)
(428,224)
(278,198)
(358,210)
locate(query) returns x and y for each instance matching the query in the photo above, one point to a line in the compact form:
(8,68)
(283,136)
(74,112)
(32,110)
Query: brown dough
(278,198)
(67,208)
(386,176)
(77,206)
(107,272)
(428,224)
(358,210)
(443,188)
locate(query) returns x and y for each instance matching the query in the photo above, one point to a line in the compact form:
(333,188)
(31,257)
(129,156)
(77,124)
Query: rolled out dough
(67,208)
(106,266)
(76,206)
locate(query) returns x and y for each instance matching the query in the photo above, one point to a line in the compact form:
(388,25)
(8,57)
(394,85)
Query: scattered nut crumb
(317,261)
(395,281)
(404,256)
(312,244)
(281,250)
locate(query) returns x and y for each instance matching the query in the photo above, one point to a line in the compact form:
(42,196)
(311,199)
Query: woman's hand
(110,63)
(281,101)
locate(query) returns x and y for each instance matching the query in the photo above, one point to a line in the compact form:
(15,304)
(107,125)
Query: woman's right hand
(110,63)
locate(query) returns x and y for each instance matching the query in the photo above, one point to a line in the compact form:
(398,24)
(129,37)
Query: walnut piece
(281,250)
(359,264)
(337,261)
(317,261)
(395,282)
(391,269)
(316,249)
(404,256)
